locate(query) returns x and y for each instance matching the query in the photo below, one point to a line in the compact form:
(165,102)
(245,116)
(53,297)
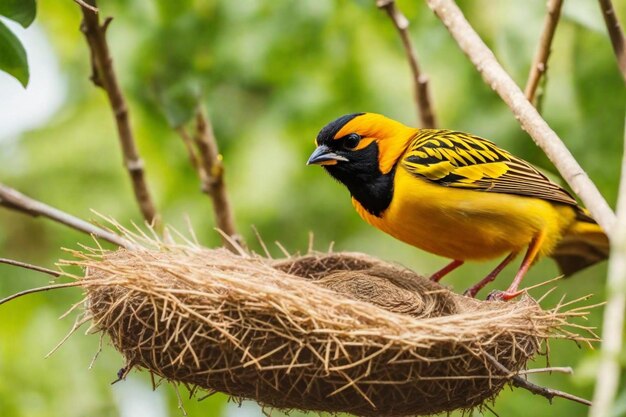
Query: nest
(326,332)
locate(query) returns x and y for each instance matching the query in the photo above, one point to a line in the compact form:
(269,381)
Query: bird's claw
(498,295)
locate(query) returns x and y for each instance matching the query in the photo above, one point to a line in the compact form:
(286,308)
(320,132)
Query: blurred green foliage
(271,74)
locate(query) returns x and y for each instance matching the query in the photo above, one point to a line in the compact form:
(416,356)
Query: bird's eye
(351,141)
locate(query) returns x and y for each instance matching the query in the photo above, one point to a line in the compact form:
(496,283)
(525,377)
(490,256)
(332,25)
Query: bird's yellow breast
(465,224)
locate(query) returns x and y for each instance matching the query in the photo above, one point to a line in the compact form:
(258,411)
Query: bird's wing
(460,160)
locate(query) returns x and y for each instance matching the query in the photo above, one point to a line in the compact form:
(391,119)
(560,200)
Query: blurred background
(270,74)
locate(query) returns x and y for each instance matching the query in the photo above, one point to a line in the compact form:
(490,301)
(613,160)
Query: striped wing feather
(460,160)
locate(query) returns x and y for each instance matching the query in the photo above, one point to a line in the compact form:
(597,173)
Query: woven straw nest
(336,332)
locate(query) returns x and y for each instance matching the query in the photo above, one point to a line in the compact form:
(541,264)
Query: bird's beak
(323,155)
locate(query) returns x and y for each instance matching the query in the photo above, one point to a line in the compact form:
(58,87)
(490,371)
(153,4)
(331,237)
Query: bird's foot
(498,295)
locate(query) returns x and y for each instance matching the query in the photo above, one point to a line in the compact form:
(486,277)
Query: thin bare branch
(29,266)
(14,200)
(40,289)
(615,33)
(608,373)
(548,393)
(540,62)
(520,382)
(423,102)
(531,121)
(105,77)
(560,369)
(211,174)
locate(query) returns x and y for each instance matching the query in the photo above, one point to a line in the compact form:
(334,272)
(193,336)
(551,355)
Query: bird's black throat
(363,178)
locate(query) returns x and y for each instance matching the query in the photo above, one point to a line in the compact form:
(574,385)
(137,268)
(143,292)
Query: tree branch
(211,172)
(423,103)
(29,266)
(615,33)
(548,393)
(104,76)
(562,369)
(540,61)
(608,373)
(17,201)
(40,289)
(531,121)
(519,382)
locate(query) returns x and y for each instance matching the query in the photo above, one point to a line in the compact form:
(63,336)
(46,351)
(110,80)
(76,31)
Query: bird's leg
(472,291)
(446,270)
(529,258)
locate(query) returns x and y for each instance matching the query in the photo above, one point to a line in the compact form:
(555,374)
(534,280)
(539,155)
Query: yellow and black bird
(458,196)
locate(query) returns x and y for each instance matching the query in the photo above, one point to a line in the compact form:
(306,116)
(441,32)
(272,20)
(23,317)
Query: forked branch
(495,76)
(105,77)
(540,62)
(423,102)
(520,382)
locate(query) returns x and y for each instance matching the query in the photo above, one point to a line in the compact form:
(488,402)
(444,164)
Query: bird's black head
(344,153)
(357,150)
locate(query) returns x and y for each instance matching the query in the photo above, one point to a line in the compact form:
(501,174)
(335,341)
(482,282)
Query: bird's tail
(583,245)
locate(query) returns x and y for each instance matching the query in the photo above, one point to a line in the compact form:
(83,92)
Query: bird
(458,196)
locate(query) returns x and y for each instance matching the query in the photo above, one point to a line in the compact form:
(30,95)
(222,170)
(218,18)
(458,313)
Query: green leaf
(13,56)
(21,11)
